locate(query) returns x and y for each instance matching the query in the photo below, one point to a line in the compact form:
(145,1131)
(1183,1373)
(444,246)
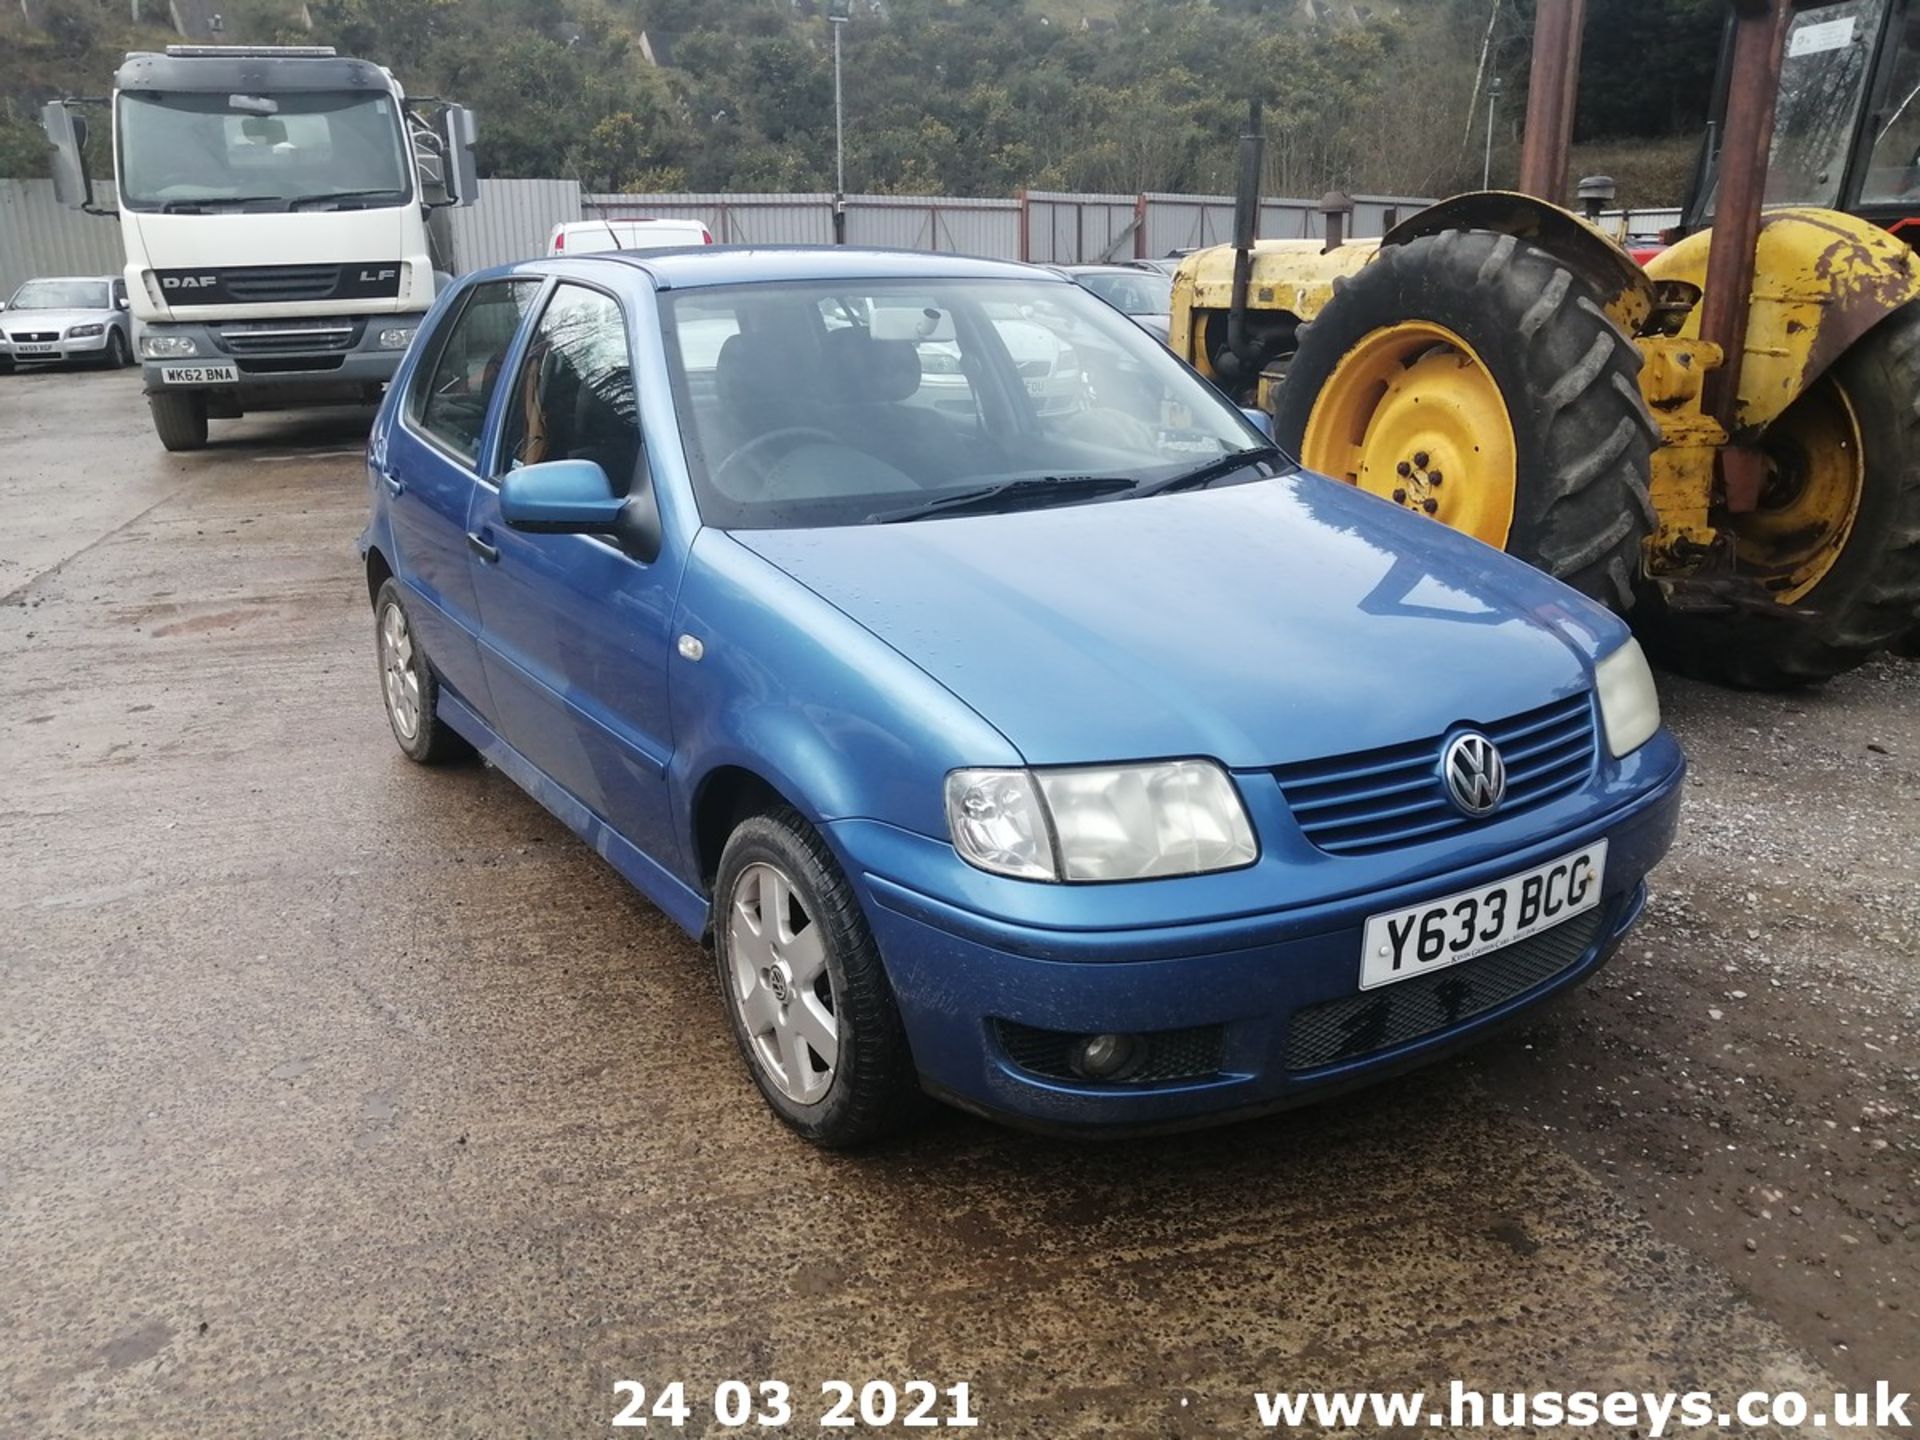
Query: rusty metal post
(1759,43)
(1552,93)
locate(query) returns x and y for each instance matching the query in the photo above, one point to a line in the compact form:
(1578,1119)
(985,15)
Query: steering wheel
(787,436)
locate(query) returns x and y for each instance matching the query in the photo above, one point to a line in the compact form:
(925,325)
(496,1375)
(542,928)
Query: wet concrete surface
(339,1097)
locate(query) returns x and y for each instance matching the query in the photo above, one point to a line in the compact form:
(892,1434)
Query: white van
(583,237)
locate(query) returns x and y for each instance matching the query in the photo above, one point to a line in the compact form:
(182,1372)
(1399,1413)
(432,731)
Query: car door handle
(395,485)
(489,553)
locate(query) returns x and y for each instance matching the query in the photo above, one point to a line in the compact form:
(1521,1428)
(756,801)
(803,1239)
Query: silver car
(50,320)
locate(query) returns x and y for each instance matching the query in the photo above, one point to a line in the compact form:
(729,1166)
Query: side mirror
(463,169)
(67,133)
(121,302)
(574,497)
(1259,419)
(560,497)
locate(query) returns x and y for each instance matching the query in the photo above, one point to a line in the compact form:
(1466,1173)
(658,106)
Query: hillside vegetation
(972,97)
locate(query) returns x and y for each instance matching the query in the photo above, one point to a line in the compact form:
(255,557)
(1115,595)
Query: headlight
(167,347)
(1118,822)
(396,339)
(1629,705)
(79,332)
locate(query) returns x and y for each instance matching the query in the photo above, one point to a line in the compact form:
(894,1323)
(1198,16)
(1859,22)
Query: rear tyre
(806,992)
(408,686)
(1470,376)
(179,419)
(1837,533)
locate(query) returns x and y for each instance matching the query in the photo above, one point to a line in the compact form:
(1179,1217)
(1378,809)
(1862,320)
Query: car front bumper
(1243,1015)
(73,347)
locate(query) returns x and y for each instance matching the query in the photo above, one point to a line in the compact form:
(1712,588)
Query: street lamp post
(839,139)
(1493,104)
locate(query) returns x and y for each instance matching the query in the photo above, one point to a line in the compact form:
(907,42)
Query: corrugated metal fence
(1040,225)
(511,220)
(514,217)
(38,237)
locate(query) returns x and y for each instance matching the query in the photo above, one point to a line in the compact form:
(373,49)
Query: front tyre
(1470,376)
(805,990)
(179,418)
(408,686)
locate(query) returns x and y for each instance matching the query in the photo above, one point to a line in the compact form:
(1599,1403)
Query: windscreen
(320,150)
(1137,292)
(850,402)
(61,295)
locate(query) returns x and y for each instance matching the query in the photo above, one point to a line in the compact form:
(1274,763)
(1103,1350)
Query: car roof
(697,266)
(1109,269)
(65,279)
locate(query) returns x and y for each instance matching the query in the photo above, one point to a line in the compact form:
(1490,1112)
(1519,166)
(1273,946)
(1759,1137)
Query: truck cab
(274,206)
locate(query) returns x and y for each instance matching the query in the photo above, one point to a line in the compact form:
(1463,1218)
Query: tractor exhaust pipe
(1244,354)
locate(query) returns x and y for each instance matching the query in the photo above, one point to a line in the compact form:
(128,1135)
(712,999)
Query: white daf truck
(275,206)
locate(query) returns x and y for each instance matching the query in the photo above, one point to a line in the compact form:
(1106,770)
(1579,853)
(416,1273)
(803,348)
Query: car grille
(282,282)
(1171,1055)
(33,337)
(289,336)
(1379,799)
(1357,1025)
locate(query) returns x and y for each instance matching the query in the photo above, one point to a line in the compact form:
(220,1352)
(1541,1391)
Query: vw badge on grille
(1476,775)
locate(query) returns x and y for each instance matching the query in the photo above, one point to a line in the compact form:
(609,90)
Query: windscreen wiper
(305,200)
(212,202)
(1045,489)
(1216,469)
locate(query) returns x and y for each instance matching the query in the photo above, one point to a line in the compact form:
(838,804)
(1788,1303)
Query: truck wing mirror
(463,169)
(67,133)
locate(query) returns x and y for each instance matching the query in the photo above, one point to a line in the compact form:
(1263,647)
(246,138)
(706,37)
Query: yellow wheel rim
(1412,414)
(1810,499)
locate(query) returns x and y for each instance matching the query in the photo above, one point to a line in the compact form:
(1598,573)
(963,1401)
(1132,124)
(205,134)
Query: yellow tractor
(1724,442)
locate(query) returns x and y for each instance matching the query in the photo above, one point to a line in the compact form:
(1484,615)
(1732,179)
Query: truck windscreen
(294,150)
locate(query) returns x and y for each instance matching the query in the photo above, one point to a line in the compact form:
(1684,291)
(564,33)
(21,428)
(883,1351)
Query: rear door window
(452,390)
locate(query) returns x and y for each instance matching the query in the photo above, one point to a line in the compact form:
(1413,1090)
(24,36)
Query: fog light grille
(1356,1025)
(1171,1055)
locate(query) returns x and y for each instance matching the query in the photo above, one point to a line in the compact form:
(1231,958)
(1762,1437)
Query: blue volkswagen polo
(1016,723)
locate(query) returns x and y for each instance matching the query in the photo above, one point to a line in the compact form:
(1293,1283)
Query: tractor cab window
(1893,171)
(1823,84)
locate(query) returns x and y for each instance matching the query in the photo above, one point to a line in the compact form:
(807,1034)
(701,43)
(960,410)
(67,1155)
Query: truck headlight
(1629,704)
(396,339)
(167,347)
(1100,822)
(80,332)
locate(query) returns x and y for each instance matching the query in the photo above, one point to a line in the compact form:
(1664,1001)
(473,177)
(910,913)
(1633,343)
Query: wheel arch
(1625,290)
(378,572)
(723,797)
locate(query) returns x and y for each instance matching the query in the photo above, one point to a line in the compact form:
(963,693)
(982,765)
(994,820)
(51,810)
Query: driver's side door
(576,631)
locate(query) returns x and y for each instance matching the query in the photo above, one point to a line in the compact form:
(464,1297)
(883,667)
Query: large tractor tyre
(179,419)
(1471,377)
(1836,535)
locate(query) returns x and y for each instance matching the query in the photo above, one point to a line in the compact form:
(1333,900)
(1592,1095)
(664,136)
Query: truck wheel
(180,419)
(805,989)
(1836,536)
(1469,376)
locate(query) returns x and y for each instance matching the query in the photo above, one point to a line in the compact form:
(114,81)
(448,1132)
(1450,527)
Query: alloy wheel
(401,678)
(779,984)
